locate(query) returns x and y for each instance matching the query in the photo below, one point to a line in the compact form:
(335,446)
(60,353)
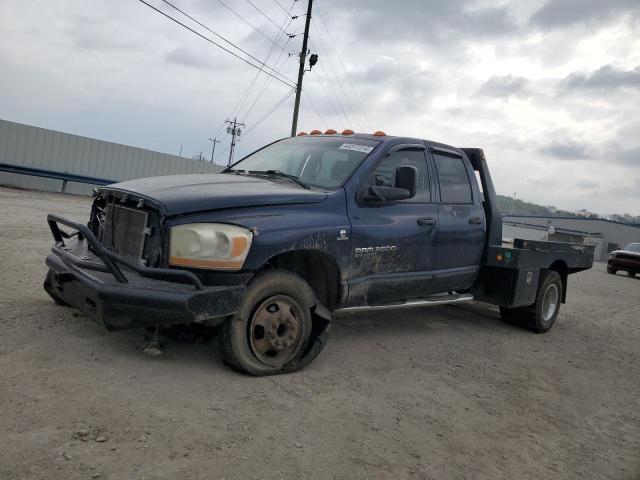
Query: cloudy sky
(549,88)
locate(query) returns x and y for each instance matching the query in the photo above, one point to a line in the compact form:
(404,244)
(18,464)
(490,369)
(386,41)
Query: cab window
(385,173)
(455,186)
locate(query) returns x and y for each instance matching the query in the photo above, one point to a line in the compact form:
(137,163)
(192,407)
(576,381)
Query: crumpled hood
(180,194)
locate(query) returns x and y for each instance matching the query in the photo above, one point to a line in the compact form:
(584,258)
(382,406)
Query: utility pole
(513,204)
(233,130)
(213,150)
(303,60)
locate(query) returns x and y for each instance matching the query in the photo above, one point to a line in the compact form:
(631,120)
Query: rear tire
(270,332)
(542,315)
(612,271)
(631,274)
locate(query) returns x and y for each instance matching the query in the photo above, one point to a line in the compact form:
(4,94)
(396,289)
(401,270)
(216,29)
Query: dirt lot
(435,393)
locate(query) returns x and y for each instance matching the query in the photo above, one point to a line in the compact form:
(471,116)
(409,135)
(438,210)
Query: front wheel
(271,332)
(612,271)
(542,315)
(631,274)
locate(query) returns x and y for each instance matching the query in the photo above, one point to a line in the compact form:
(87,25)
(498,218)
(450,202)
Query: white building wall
(36,147)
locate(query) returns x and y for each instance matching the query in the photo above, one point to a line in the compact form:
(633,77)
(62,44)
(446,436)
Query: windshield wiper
(279,174)
(233,170)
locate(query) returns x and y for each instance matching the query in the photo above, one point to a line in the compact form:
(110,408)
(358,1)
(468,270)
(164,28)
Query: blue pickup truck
(300,230)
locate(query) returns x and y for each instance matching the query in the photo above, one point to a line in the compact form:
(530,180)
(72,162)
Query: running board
(426,302)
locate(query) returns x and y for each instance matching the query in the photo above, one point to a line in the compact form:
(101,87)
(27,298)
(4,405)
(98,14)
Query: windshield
(633,247)
(321,162)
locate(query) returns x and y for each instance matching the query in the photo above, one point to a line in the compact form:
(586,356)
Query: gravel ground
(440,393)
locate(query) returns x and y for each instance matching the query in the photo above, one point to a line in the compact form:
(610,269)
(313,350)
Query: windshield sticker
(356,148)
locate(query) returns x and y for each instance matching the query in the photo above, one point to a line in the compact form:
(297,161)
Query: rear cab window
(455,185)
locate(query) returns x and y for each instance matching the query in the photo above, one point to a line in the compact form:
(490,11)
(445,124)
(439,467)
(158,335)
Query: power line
(210,30)
(364,111)
(280,5)
(337,78)
(278,104)
(264,87)
(271,111)
(313,105)
(333,88)
(285,81)
(246,21)
(264,14)
(268,79)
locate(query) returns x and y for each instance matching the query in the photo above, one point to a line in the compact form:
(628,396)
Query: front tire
(612,271)
(542,315)
(631,274)
(270,332)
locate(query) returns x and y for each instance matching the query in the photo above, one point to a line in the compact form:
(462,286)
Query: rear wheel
(612,271)
(272,329)
(631,274)
(542,315)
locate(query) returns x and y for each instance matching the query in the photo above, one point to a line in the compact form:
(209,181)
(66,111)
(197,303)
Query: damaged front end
(104,272)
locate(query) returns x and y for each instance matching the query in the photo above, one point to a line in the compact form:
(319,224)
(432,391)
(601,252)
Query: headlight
(212,246)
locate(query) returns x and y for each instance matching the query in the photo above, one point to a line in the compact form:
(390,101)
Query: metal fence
(39,148)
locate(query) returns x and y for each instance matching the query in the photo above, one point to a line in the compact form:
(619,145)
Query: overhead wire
(246,21)
(275,66)
(324,24)
(345,98)
(339,101)
(273,109)
(282,80)
(313,105)
(267,81)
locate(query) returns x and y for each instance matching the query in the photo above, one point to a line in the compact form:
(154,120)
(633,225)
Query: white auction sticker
(356,148)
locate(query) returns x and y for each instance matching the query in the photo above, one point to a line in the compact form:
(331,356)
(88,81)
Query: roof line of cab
(380,136)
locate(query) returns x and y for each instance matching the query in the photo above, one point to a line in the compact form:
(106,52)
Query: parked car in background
(626,259)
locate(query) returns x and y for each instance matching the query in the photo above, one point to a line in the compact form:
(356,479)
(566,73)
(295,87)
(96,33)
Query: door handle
(475,220)
(426,221)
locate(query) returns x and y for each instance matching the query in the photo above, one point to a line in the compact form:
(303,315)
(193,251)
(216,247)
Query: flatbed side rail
(110,259)
(553,246)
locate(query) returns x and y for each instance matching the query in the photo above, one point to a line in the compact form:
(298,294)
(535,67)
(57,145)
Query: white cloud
(533,82)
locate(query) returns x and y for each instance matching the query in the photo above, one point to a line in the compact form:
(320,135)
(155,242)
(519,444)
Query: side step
(425,302)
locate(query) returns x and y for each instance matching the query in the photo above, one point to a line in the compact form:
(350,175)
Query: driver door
(394,242)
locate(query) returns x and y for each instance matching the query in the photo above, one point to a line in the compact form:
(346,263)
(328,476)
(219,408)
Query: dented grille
(125,231)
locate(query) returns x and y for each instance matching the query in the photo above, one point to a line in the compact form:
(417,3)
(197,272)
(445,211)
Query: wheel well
(562,269)
(318,269)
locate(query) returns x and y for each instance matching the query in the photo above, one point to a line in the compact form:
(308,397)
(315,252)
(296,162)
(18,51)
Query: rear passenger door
(461,222)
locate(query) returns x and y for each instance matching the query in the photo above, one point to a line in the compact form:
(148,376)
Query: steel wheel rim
(276,330)
(550,302)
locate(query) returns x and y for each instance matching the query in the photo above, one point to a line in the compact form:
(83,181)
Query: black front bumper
(119,294)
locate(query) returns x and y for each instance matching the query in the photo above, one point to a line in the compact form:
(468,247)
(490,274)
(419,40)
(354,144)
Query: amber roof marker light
(379,133)
(315,132)
(302,134)
(348,131)
(331,131)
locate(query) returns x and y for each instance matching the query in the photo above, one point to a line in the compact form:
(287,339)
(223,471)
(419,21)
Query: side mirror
(406,179)
(380,195)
